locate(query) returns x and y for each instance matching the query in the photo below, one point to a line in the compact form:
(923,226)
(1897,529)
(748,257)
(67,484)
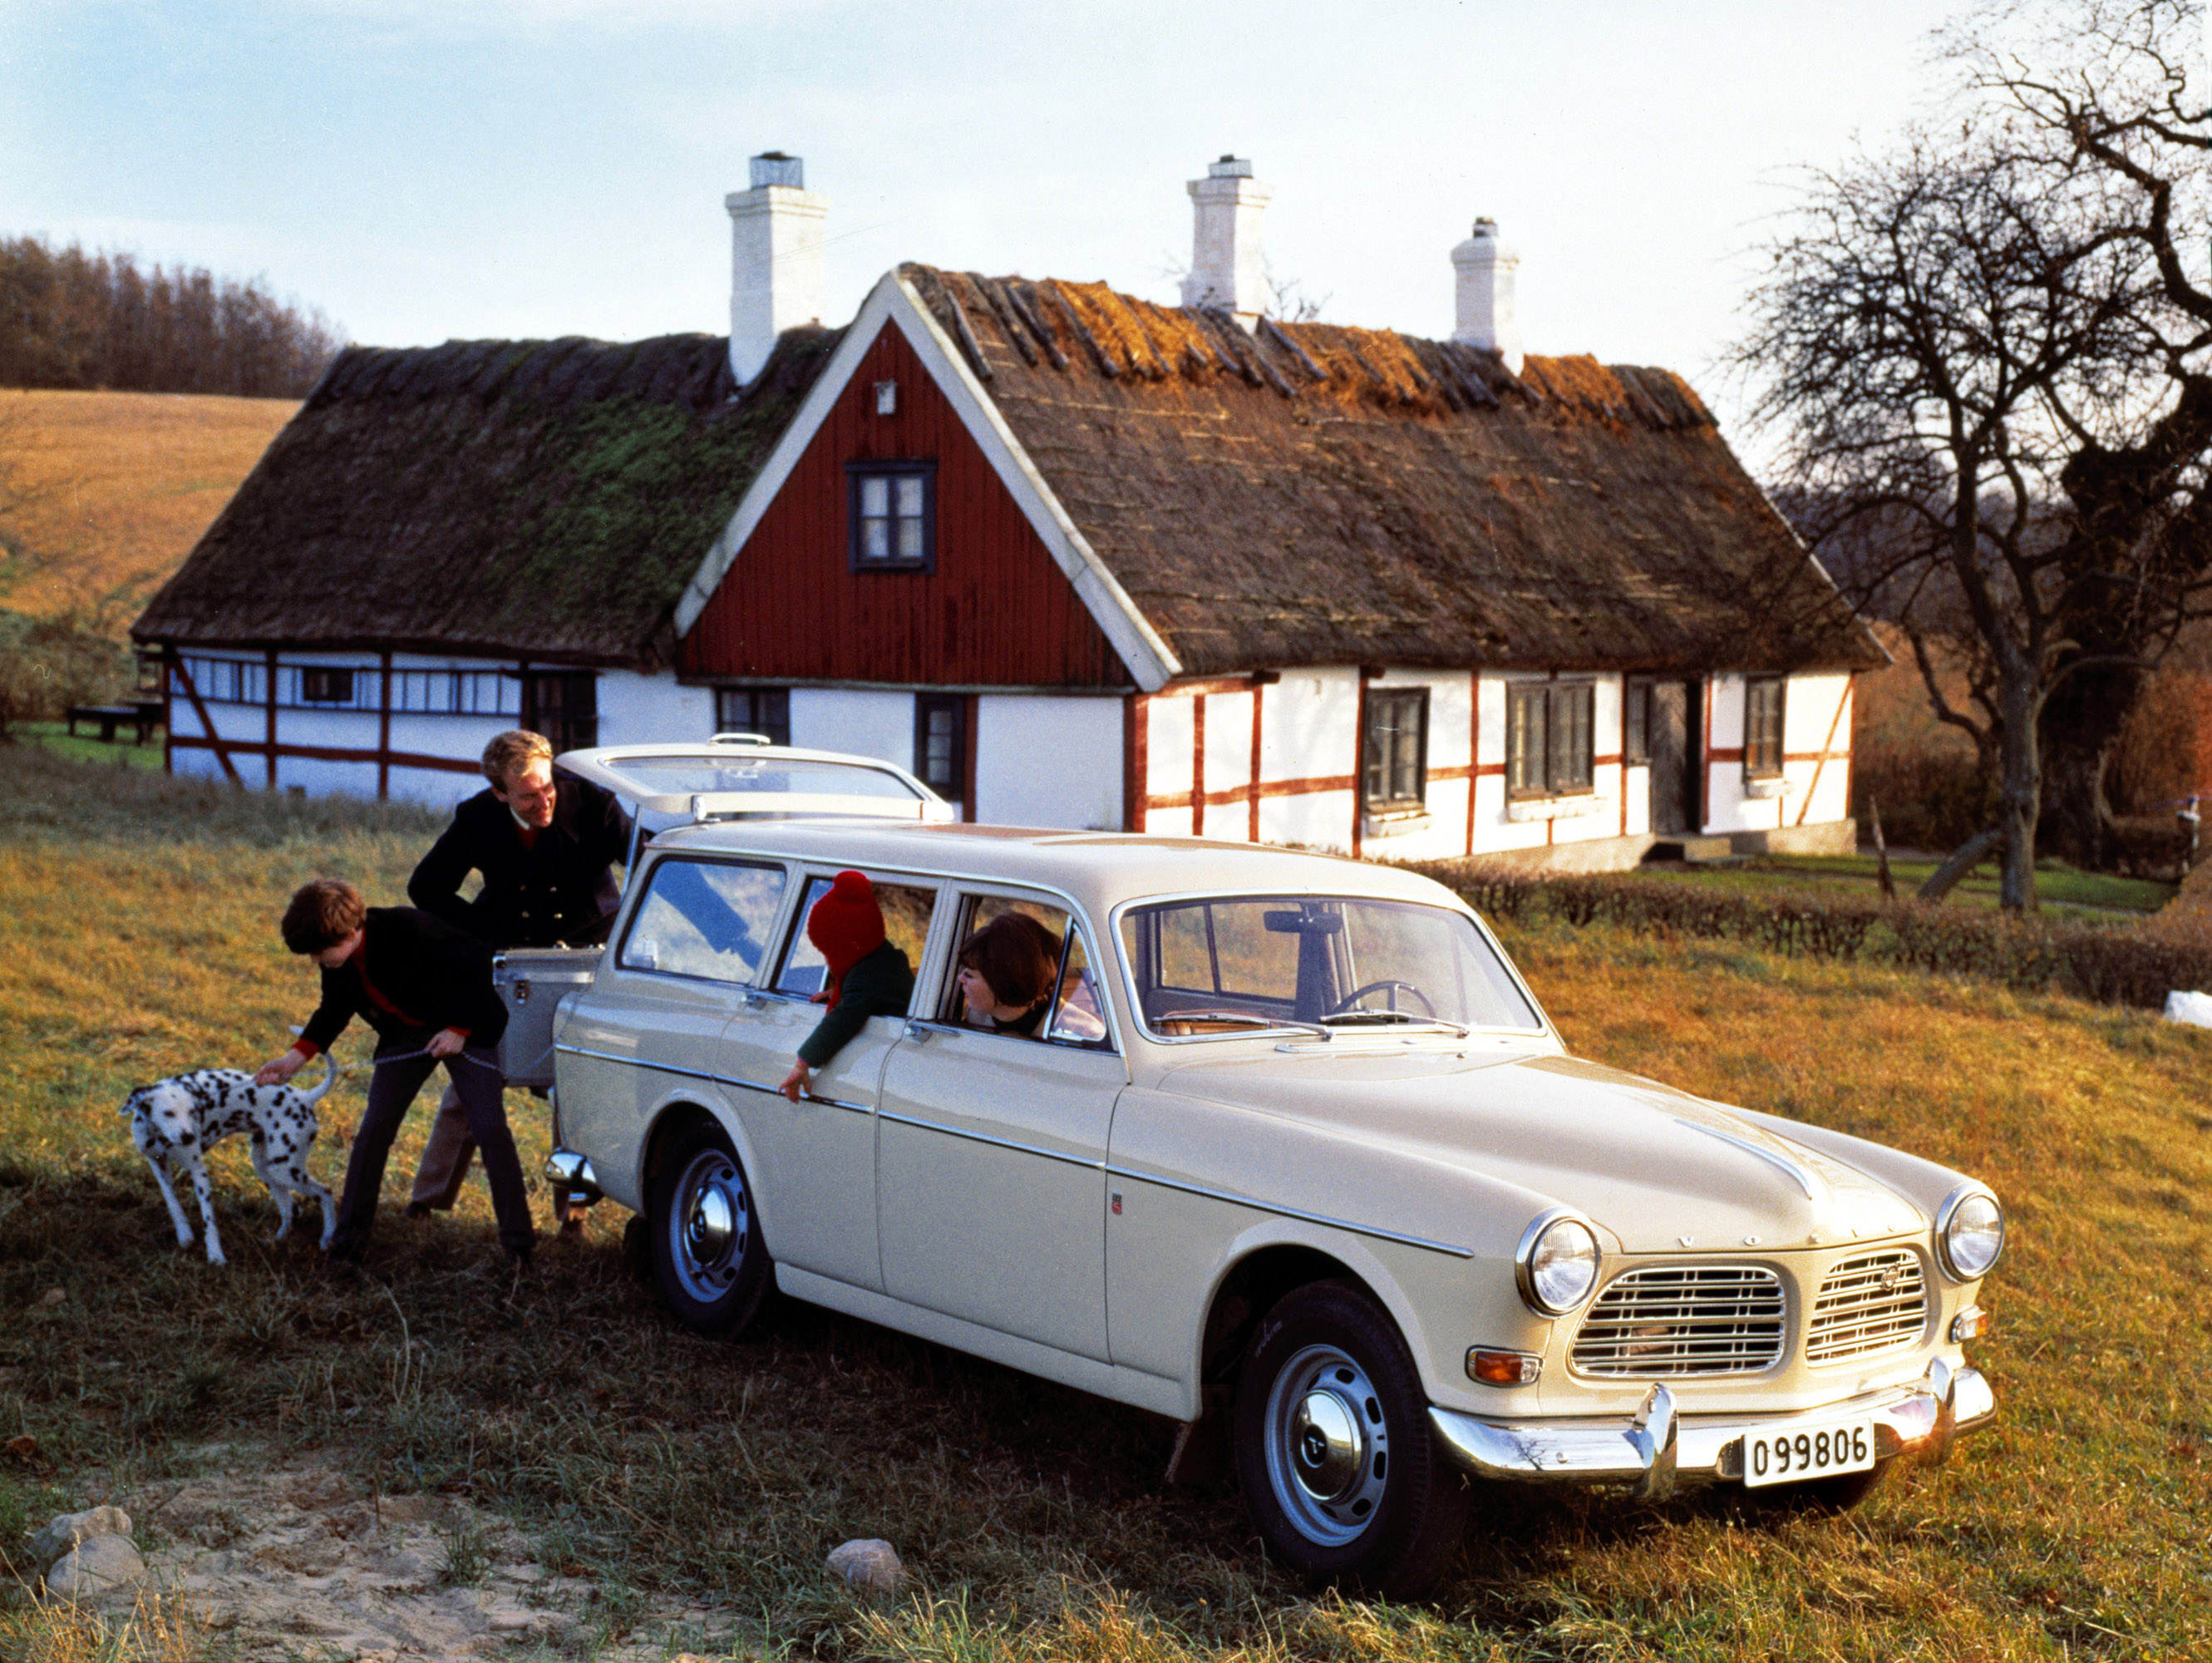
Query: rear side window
(710,919)
(907,910)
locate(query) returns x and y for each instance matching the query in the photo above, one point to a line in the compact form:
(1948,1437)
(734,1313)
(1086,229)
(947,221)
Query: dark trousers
(476,1077)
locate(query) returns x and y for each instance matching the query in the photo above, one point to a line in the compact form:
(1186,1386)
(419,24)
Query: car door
(655,1012)
(991,1153)
(817,1156)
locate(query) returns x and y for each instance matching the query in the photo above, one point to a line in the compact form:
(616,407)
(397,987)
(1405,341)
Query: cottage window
(763,711)
(1397,747)
(894,516)
(320,684)
(564,706)
(1762,727)
(940,744)
(1636,723)
(1550,729)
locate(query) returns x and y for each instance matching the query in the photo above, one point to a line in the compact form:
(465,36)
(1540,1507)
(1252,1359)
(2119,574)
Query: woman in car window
(1006,972)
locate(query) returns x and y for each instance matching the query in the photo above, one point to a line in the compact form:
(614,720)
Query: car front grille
(1876,1302)
(1673,1320)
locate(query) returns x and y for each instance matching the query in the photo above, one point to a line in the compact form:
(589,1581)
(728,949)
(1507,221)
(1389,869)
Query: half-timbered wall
(995,611)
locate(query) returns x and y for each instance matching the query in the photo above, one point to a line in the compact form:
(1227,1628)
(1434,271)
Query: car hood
(1658,1170)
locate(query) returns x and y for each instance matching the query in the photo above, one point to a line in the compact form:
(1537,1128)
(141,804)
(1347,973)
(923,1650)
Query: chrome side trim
(1802,1179)
(638,1062)
(1258,1206)
(1906,1418)
(996,1143)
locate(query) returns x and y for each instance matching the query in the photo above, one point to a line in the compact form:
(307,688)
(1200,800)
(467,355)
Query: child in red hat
(868,977)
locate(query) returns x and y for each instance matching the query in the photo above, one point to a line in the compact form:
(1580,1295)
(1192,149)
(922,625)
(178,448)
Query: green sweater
(880,984)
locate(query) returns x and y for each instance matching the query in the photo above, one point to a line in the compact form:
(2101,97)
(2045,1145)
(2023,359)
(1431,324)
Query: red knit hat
(846,925)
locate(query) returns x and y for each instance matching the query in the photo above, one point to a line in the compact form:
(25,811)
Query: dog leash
(417,1056)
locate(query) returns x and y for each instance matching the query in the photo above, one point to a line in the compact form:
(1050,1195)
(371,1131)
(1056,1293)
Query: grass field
(115,488)
(136,937)
(2062,889)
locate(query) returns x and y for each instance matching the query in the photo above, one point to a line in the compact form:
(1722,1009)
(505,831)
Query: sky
(427,169)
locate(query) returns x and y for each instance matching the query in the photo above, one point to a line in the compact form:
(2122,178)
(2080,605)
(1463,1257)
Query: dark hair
(1017,955)
(322,914)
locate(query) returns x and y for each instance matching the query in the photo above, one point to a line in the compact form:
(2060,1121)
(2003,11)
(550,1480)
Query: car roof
(1099,869)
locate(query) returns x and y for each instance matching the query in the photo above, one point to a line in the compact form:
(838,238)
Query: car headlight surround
(1970,1232)
(1556,1265)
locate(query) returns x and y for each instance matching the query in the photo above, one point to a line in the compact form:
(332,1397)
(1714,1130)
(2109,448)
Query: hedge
(2126,966)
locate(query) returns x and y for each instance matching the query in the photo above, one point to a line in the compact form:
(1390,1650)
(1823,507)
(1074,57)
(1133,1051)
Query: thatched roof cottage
(1078,558)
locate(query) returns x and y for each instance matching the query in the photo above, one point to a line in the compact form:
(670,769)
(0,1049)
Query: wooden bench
(143,715)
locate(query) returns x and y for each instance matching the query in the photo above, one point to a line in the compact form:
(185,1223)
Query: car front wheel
(708,1260)
(1338,1467)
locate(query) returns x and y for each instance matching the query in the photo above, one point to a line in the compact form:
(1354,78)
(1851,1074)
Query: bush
(48,664)
(2118,966)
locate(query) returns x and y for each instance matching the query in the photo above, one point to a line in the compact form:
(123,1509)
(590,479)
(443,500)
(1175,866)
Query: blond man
(546,845)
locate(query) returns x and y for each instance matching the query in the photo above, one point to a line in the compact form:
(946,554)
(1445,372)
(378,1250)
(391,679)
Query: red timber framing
(226,751)
(992,609)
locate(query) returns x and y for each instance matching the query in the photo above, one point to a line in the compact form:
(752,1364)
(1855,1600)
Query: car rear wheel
(1334,1454)
(708,1260)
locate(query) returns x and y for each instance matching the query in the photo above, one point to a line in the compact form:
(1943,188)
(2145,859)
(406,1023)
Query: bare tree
(1963,340)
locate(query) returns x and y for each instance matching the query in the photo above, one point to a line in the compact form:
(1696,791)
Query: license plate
(1787,1454)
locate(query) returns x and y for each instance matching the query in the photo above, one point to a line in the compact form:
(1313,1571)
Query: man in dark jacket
(546,845)
(426,989)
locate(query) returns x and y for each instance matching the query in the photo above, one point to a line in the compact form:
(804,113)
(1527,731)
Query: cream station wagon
(1294,1139)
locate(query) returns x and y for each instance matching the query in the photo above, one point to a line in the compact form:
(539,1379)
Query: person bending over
(546,844)
(426,988)
(868,977)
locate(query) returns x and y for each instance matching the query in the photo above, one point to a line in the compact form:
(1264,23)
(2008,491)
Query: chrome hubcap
(711,1225)
(1328,1446)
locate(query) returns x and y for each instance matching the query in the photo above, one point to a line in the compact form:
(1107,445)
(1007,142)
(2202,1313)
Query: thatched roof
(1320,495)
(546,499)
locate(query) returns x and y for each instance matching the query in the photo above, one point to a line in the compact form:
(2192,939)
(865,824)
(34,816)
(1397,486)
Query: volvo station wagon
(1295,1158)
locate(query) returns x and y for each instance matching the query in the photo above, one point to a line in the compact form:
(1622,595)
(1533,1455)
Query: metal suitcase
(531,983)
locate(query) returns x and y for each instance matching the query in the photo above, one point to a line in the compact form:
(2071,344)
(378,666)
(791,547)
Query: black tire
(709,1264)
(1338,1467)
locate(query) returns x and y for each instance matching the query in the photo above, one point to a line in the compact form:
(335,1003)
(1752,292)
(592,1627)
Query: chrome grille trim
(1873,1303)
(1667,1321)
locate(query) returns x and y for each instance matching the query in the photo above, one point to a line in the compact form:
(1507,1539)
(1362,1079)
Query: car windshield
(1225,963)
(692,773)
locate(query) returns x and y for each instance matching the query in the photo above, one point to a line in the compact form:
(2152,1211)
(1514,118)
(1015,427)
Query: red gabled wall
(995,612)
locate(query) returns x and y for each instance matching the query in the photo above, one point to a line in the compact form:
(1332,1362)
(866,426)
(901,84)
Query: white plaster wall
(1638,786)
(1494,831)
(642,709)
(1309,728)
(865,723)
(1320,820)
(1168,740)
(1043,760)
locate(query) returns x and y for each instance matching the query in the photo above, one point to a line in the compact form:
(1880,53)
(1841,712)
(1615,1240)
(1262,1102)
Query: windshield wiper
(1396,1018)
(1250,1018)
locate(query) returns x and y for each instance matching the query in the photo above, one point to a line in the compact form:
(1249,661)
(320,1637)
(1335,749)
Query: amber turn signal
(1970,1324)
(1503,1368)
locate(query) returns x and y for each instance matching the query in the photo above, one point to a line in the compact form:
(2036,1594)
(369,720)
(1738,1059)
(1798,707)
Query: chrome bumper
(570,1174)
(1659,1446)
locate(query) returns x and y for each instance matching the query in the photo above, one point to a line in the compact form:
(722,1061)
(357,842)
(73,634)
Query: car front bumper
(1659,1447)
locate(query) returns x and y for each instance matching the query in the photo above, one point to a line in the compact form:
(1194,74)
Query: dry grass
(115,488)
(1034,1517)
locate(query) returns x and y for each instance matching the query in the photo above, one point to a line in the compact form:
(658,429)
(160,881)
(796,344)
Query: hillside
(108,491)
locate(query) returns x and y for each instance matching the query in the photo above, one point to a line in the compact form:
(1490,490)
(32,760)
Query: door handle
(751,1001)
(919,1031)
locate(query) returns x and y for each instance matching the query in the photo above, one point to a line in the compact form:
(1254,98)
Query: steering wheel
(1389,983)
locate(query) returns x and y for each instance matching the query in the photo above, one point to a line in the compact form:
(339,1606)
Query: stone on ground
(93,1567)
(68,1530)
(868,1564)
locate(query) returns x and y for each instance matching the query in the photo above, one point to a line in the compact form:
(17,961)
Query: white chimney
(1226,266)
(1486,268)
(776,260)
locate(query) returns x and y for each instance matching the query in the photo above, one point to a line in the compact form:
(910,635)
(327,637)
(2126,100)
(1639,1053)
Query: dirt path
(301,1561)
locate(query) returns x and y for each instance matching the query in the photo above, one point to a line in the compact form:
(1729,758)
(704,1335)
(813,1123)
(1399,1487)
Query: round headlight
(1970,1235)
(1556,1264)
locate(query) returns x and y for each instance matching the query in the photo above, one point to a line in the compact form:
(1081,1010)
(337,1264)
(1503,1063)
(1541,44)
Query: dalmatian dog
(174,1122)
